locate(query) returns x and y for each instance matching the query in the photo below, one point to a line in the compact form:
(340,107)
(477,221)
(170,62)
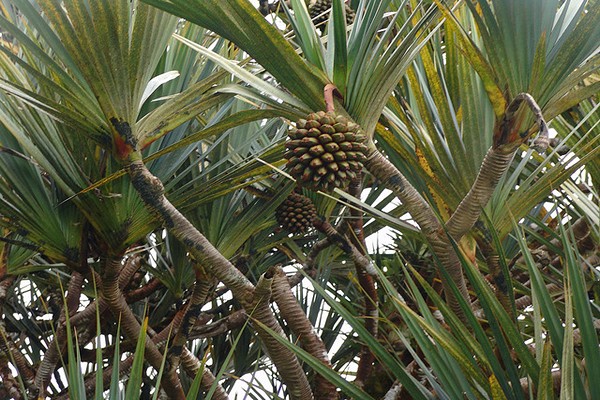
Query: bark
(296,319)
(309,266)
(494,165)
(87,315)
(367,284)
(58,345)
(398,392)
(130,325)
(5,283)
(190,362)
(151,191)
(160,339)
(81,319)
(9,389)
(525,301)
(582,233)
(235,320)
(423,215)
(8,349)
(90,380)
(11,352)
(192,366)
(378,165)
(202,288)
(142,292)
(363,266)
(288,367)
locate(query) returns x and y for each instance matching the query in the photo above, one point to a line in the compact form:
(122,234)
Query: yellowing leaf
(496,390)
(477,60)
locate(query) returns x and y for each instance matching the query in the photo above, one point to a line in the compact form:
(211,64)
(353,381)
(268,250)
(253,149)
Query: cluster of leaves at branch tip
(325,151)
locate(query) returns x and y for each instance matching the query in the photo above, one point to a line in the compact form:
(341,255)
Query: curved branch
(430,226)
(58,345)
(309,267)
(365,273)
(288,367)
(151,191)
(119,307)
(367,284)
(12,352)
(494,165)
(10,387)
(144,291)
(203,286)
(192,366)
(496,162)
(82,318)
(296,319)
(420,210)
(235,320)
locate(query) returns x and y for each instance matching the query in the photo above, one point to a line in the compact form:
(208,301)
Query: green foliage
(209,105)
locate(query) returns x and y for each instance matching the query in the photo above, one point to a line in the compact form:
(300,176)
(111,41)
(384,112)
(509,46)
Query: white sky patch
(382,240)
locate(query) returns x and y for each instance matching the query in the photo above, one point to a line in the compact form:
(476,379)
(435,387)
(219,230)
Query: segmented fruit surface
(296,213)
(325,151)
(319,12)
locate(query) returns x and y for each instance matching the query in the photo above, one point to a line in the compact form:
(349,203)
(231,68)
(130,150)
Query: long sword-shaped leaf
(582,309)
(567,365)
(135,377)
(243,74)
(241,23)
(412,386)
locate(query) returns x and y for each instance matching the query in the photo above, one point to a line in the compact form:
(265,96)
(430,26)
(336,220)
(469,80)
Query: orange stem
(328,92)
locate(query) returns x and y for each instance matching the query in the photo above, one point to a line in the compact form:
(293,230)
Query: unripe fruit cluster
(296,213)
(325,151)
(319,15)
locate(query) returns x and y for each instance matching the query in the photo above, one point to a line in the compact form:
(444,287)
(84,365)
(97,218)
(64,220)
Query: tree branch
(151,191)
(430,226)
(203,286)
(308,266)
(289,367)
(296,319)
(119,307)
(367,284)
(58,344)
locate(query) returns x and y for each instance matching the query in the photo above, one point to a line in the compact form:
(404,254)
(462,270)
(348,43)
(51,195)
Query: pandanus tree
(356,63)
(97,96)
(434,102)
